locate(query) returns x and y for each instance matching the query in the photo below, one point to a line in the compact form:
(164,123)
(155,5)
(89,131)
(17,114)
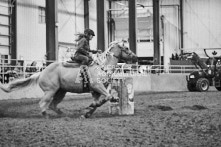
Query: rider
(82,55)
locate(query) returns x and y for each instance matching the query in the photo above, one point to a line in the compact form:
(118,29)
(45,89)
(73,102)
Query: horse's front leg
(99,91)
(94,106)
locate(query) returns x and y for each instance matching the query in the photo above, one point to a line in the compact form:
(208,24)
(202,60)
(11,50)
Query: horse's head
(123,53)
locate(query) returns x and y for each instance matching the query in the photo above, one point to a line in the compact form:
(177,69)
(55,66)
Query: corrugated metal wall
(4,27)
(201,24)
(202,19)
(32,34)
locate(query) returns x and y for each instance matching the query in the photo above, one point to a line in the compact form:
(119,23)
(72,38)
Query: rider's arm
(81,46)
(95,51)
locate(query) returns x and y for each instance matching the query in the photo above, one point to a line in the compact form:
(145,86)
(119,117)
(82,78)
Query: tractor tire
(191,87)
(218,88)
(202,85)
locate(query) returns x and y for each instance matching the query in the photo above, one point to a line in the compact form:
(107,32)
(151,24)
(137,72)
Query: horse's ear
(121,43)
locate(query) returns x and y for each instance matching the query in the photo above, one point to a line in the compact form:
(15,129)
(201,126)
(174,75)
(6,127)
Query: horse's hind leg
(58,97)
(45,101)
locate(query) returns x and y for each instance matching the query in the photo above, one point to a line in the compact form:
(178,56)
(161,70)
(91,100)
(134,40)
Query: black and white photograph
(110,73)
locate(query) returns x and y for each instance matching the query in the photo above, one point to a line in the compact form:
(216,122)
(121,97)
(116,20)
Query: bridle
(104,55)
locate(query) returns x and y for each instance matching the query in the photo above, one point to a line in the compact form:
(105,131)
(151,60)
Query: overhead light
(121,4)
(138,4)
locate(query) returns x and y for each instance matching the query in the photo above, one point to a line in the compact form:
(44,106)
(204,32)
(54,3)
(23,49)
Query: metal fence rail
(13,69)
(153,69)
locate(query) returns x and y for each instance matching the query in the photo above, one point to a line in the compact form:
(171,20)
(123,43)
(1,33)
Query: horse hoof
(45,115)
(67,118)
(82,117)
(59,112)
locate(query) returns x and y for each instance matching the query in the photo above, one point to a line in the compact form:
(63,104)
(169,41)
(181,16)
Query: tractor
(208,75)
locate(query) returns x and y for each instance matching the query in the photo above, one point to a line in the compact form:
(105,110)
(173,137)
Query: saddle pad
(85,79)
(69,64)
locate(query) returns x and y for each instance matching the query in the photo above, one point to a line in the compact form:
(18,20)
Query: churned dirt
(175,119)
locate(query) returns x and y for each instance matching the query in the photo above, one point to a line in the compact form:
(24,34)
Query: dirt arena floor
(175,119)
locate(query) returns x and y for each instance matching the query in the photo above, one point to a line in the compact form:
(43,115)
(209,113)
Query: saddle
(71,64)
(75,63)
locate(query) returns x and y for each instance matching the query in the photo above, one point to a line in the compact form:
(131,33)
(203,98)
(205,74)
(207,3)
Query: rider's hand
(93,51)
(90,54)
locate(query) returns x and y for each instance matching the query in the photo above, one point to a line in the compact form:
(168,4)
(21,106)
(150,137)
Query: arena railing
(154,69)
(13,69)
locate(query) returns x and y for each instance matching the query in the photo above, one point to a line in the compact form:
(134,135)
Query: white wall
(170,31)
(31,35)
(93,22)
(201,25)
(70,19)
(31,40)
(202,19)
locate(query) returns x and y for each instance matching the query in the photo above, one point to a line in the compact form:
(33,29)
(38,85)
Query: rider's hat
(89,32)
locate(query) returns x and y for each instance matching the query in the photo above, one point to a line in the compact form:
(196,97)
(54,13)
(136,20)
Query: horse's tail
(20,83)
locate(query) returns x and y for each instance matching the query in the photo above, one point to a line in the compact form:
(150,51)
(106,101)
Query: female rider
(83,48)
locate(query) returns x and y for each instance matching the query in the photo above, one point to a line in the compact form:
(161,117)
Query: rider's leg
(83,59)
